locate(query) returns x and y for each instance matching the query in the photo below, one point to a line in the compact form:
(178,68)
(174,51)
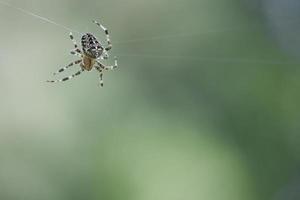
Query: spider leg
(107,35)
(75,43)
(111,67)
(76,53)
(100,76)
(67,78)
(66,67)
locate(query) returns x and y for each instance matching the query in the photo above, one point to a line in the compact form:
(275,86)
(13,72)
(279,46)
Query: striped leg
(67,78)
(75,43)
(107,35)
(76,53)
(100,76)
(66,67)
(111,67)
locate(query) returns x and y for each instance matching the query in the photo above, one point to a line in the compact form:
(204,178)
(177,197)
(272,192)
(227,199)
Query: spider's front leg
(76,53)
(100,76)
(67,78)
(66,67)
(111,67)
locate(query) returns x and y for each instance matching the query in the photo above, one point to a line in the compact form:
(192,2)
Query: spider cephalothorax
(90,55)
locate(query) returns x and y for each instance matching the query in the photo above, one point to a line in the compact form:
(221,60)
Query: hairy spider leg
(111,67)
(67,78)
(75,43)
(66,67)
(100,76)
(107,35)
(74,52)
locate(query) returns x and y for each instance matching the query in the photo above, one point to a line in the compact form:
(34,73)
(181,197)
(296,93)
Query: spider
(90,55)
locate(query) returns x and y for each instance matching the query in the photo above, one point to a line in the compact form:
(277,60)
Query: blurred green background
(204,104)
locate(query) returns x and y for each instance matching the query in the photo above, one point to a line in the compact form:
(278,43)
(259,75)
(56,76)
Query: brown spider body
(91,53)
(88,63)
(92,49)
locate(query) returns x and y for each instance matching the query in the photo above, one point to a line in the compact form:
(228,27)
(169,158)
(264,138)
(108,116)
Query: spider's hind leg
(75,43)
(107,35)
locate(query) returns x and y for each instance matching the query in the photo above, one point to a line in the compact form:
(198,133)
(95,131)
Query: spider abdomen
(91,46)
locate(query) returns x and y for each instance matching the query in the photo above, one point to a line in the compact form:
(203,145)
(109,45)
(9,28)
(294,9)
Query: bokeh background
(204,104)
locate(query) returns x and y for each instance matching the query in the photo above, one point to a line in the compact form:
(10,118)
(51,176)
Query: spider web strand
(38,17)
(211,59)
